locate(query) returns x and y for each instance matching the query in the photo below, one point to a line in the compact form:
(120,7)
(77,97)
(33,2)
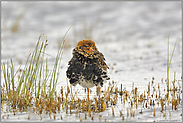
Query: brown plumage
(87,66)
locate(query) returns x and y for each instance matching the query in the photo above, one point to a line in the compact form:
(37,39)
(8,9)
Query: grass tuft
(34,78)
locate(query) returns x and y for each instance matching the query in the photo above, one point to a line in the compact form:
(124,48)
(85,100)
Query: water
(131,35)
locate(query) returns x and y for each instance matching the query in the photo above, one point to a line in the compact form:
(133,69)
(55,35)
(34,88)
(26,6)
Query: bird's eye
(89,44)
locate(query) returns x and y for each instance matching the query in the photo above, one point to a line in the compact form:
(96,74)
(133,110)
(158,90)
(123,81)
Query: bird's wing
(74,70)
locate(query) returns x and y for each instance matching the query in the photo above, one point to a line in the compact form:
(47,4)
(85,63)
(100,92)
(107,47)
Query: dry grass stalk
(113,111)
(154,114)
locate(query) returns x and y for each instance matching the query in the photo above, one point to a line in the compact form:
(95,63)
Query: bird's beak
(91,49)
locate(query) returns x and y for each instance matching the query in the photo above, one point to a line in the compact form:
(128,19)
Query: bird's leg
(88,91)
(99,91)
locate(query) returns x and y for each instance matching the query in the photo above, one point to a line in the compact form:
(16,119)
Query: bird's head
(86,48)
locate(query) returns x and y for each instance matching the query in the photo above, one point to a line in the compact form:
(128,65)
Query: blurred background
(132,35)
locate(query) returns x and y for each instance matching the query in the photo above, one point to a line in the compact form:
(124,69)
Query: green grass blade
(12,76)
(173,53)
(5,77)
(55,71)
(8,78)
(168,56)
(46,74)
(28,75)
(27,71)
(41,72)
(23,77)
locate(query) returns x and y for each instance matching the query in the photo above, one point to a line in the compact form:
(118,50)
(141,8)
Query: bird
(87,67)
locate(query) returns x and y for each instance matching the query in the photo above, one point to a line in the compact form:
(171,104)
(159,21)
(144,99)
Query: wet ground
(132,36)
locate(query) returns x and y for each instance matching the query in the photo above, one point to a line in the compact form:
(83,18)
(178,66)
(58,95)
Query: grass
(35,79)
(35,88)
(169,60)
